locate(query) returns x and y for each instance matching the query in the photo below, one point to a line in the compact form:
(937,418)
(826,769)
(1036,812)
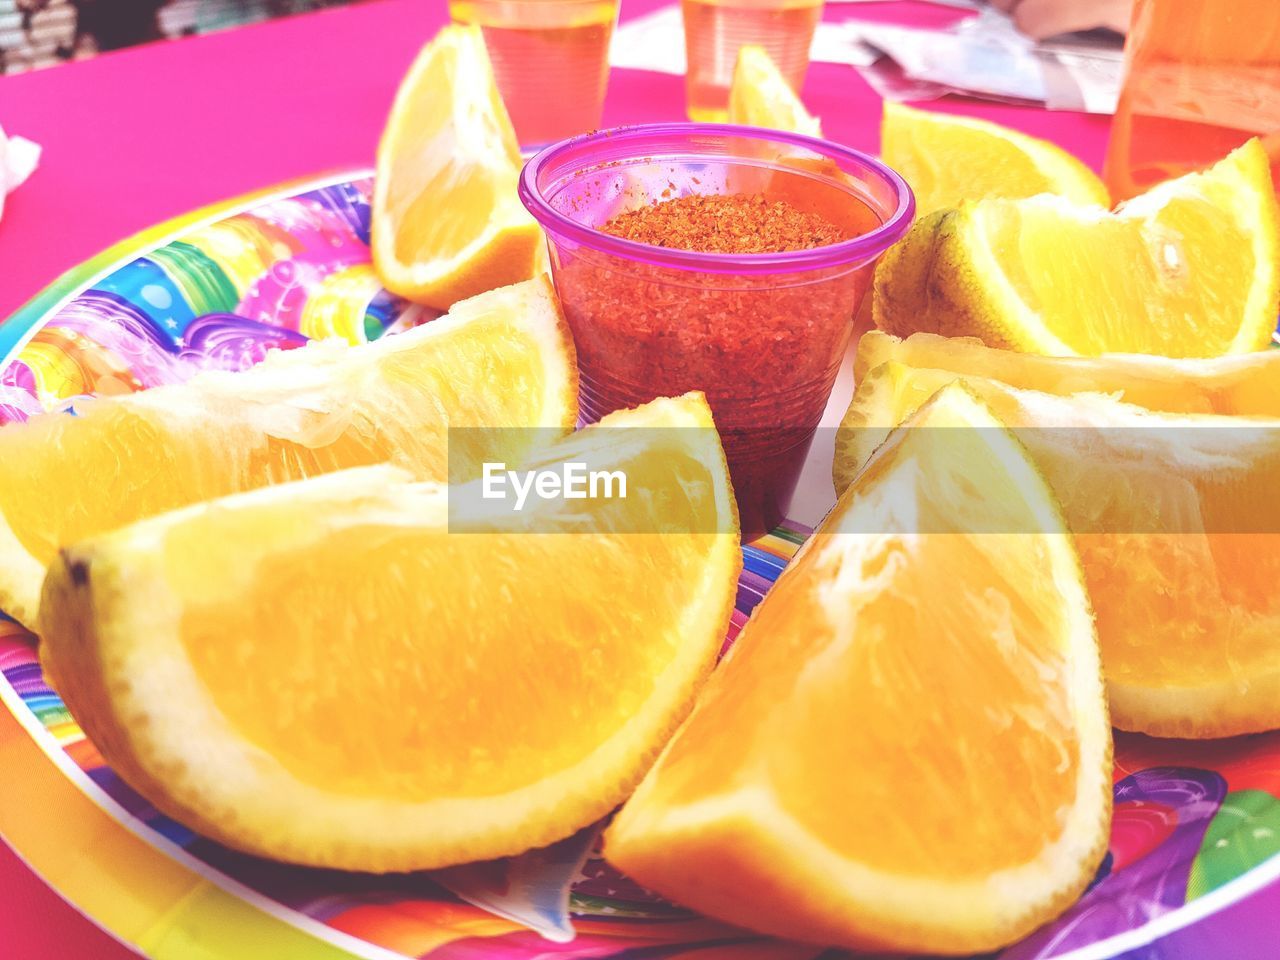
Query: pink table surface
(136,137)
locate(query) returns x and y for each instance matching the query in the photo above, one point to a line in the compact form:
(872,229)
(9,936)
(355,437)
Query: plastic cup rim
(851,252)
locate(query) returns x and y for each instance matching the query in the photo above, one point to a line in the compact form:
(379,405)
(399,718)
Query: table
(138,136)
(135,137)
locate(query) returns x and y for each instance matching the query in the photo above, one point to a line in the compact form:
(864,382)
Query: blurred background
(41,33)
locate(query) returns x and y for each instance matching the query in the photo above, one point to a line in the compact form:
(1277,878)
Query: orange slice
(1190,269)
(447,223)
(1177,532)
(907,748)
(504,359)
(761,97)
(895,377)
(321,672)
(948,159)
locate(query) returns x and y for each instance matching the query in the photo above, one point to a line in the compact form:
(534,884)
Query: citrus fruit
(948,159)
(447,223)
(907,747)
(761,97)
(1178,533)
(321,672)
(503,359)
(1186,270)
(915,368)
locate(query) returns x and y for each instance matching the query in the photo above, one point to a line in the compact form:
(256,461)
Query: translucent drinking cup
(762,335)
(550,58)
(714,32)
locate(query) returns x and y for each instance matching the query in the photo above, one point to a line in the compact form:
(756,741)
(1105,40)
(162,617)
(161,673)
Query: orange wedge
(322,672)
(503,359)
(907,748)
(447,223)
(1174,521)
(948,159)
(761,97)
(1190,269)
(895,377)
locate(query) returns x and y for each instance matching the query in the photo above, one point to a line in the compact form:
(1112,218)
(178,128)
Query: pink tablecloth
(136,137)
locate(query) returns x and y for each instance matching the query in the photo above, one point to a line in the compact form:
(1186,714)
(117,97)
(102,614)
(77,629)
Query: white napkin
(18,160)
(986,56)
(982,56)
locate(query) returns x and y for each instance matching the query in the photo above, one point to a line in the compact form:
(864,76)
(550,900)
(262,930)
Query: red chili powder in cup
(764,348)
(726,224)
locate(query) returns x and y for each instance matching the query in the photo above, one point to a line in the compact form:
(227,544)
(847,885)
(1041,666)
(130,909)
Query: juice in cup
(1202,77)
(550,58)
(714,31)
(761,334)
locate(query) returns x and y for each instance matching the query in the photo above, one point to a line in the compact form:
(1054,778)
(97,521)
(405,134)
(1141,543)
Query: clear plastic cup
(762,335)
(550,59)
(714,32)
(1195,76)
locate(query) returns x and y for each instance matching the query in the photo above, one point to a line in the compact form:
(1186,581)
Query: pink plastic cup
(762,335)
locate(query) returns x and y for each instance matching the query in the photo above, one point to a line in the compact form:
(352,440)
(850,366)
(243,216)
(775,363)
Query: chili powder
(726,224)
(765,348)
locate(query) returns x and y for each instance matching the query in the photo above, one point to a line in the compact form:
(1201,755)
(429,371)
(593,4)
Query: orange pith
(1239,384)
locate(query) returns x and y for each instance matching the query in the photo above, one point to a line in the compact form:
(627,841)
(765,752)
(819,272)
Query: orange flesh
(449,157)
(1006,725)
(146,464)
(427,696)
(1210,600)
(143,462)
(1145,270)
(890,658)
(929,156)
(431,221)
(1175,609)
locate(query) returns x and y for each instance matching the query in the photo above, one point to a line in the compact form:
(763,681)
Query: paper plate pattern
(218,293)
(1197,825)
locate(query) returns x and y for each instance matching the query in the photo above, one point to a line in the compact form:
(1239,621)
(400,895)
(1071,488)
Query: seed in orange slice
(1190,269)
(907,748)
(948,159)
(447,222)
(1176,525)
(760,96)
(322,672)
(915,368)
(503,359)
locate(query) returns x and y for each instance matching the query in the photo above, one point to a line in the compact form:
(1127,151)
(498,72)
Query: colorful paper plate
(1197,825)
